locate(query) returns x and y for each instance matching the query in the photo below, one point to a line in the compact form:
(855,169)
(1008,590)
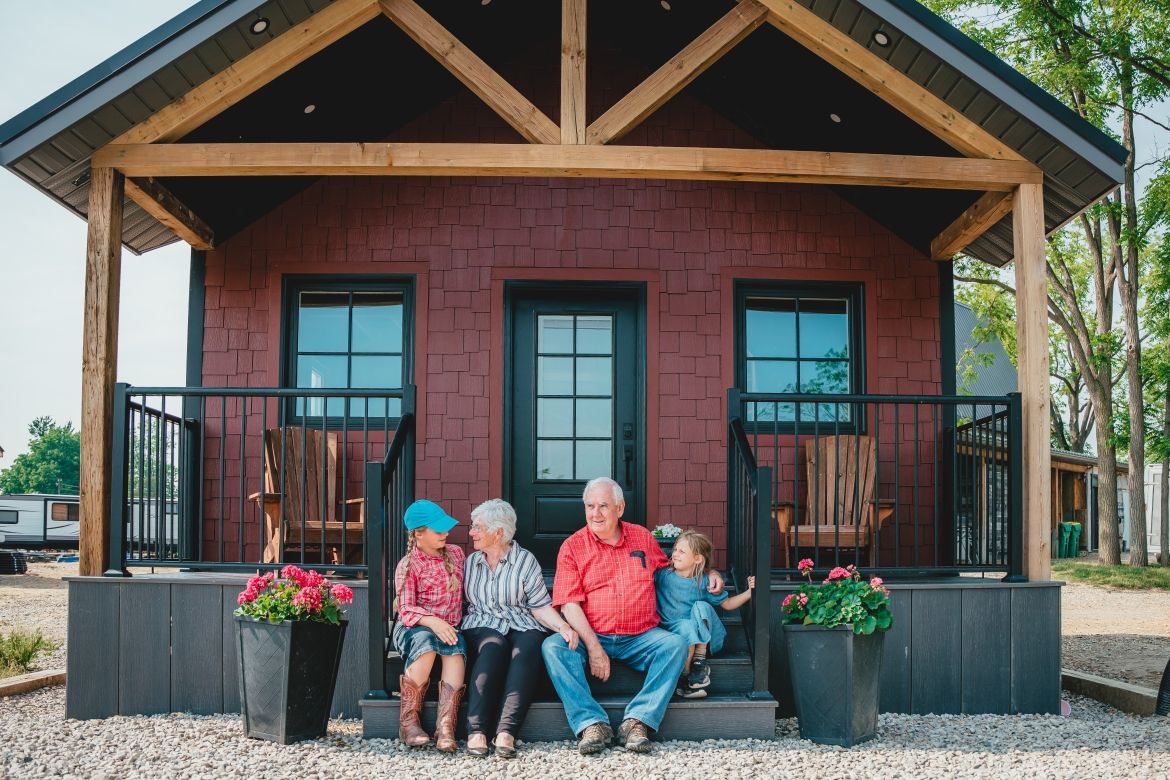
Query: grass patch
(19,651)
(1124,577)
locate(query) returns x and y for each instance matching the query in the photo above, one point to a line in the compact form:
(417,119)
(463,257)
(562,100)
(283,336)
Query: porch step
(730,673)
(727,716)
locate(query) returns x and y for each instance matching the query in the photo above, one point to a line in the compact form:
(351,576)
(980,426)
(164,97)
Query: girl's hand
(443,630)
(751,583)
(570,636)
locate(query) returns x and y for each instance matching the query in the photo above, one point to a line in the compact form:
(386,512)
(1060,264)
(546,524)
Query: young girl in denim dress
(686,608)
(428,582)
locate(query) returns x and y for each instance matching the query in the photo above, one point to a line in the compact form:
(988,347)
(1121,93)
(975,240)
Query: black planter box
(836,678)
(287,675)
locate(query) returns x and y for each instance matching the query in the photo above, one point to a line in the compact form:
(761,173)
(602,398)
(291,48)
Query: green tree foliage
(52,463)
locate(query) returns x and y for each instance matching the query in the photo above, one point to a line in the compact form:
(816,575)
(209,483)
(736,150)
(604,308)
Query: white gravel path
(1095,742)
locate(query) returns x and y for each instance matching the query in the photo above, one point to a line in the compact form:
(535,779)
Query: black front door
(574,370)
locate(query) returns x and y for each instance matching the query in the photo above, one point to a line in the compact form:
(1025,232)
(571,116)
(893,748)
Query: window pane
(770,412)
(369,371)
(377,322)
(771,376)
(824,329)
(554,459)
(824,376)
(825,413)
(321,371)
(595,417)
(323,322)
(594,376)
(594,459)
(377,408)
(595,335)
(555,334)
(770,328)
(554,417)
(554,376)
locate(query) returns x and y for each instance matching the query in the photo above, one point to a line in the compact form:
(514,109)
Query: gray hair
(496,513)
(614,487)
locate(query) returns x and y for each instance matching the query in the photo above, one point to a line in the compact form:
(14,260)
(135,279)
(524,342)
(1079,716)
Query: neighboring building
(731,240)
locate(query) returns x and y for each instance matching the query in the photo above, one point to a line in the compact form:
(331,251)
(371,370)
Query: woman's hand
(443,630)
(599,663)
(570,636)
(714,582)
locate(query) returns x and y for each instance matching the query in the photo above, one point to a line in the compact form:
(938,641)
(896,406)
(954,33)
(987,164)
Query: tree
(52,463)
(1108,60)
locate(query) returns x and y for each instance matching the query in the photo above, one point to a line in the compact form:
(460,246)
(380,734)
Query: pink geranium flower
(296,594)
(342,593)
(843,598)
(837,573)
(876,582)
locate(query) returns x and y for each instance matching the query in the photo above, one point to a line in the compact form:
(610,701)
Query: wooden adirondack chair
(309,461)
(841,506)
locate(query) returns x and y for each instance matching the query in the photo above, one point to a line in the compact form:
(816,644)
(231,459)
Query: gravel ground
(1094,742)
(1119,634)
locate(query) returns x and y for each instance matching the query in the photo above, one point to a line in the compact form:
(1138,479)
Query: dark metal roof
(50,143)
(1000,377)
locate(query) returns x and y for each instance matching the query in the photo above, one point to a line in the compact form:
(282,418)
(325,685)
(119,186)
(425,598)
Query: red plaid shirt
(614,586)
(422,588)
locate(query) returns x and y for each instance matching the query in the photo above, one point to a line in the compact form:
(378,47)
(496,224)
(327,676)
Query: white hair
(496,513)
(614,488)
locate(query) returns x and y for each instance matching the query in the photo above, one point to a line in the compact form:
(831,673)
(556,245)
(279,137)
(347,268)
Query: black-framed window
(9,517)
(347,333)
(799,338)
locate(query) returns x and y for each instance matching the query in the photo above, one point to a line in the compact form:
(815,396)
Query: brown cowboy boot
(449,699)
(410,730)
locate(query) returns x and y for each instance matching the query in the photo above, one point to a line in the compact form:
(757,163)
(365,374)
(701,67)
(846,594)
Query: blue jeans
(660,654)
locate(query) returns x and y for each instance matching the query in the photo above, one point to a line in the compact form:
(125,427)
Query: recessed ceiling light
(836,118)
(485,2)
(665,5)
(259,26)
(310,108)
(881,38)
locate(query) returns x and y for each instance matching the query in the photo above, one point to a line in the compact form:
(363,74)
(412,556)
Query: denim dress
(686,608)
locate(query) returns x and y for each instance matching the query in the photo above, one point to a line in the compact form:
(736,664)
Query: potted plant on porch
(666,534)
(833,631)
(289,635)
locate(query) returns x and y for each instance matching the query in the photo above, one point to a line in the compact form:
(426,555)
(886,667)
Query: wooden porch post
(99,363)
(1032,339)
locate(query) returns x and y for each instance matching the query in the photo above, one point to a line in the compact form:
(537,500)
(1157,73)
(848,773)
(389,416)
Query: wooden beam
(680,70)
(622,162)
(1032,342)
(476,75)
(573,71)
(971,224)
(249,74)
(161,203)
(99,365)
(885,81)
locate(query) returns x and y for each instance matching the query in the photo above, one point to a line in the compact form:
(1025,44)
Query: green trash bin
(1074,540)
(1062,545)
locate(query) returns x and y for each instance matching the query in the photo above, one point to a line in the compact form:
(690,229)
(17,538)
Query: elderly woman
(507,603)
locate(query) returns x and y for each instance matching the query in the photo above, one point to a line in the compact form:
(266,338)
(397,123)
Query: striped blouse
(502,600)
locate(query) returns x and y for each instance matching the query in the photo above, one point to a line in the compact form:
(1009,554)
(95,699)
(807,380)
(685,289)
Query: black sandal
(478,752)
(504,751)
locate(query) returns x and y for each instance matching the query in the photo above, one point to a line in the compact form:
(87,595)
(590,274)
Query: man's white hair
(614,488)
(496,513)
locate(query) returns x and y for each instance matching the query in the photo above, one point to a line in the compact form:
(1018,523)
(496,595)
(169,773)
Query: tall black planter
(835,682)
(287,675)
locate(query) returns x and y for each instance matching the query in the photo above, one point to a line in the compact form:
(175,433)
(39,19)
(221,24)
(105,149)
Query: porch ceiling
(373,82)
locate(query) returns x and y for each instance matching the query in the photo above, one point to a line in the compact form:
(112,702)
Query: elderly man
(604,587)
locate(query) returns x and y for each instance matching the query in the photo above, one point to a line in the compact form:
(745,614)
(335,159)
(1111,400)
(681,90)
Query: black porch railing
(898,485)
(240,479)
(749,534)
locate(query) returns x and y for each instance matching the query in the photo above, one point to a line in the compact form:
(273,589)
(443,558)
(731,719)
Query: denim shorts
(416,641)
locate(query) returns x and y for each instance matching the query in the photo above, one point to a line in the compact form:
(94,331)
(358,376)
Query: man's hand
(598,663)
(442,629)
(714,582)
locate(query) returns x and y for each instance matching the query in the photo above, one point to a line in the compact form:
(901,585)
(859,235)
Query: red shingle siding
(692,237)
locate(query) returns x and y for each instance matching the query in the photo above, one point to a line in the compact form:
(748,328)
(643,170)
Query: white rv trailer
(39,521)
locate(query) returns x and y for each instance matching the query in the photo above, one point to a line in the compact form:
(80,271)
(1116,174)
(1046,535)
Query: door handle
(629,460)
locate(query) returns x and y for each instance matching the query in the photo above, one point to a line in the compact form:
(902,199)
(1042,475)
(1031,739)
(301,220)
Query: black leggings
(504,673)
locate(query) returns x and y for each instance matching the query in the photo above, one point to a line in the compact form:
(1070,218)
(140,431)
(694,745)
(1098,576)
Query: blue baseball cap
(428,513)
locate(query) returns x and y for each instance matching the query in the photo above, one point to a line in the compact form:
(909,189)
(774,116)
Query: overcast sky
(42,245)
(43,46)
